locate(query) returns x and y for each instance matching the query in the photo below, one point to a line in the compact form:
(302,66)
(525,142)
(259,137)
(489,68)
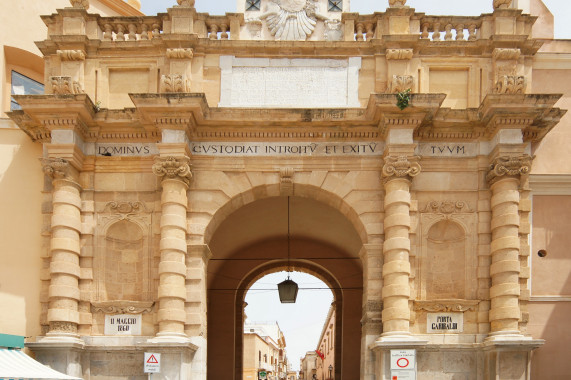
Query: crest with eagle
(292,20)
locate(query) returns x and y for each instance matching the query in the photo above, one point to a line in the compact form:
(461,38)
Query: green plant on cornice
(403,98)
(97,106)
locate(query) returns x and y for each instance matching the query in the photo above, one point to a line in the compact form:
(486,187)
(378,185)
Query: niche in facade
(446,261)
(123,260)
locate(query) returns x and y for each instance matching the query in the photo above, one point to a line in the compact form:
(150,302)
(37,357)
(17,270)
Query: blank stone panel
(453,83)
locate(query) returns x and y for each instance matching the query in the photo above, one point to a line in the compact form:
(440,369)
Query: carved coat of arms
(292,20)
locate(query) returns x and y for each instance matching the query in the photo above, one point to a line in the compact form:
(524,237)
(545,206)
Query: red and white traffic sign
(403,359)
(152,362)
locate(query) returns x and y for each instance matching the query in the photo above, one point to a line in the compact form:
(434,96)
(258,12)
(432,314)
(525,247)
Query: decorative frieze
(399,54)
(180,53)
(174,83)
(125,207)
(510,84)
(446,207)
(173,168)
(401,83)
(400,167)
(64,85)
(452,305)
(513,166)
(71,55)
(122,307)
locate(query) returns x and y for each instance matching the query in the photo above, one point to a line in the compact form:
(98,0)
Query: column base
(398,338)
(65,339)
(507,336)
(170,337)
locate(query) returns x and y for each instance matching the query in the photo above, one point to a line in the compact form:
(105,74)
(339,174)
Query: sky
(300,322)
(561,9)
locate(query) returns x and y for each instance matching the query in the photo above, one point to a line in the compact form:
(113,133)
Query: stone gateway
(172,143)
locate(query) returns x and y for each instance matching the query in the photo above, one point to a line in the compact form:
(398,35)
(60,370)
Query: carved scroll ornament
(401,83)
(513,166)
(71,55)
(175,83)
(180,53)
(80,4)
(502,4)
(397,3)
(173,168)
(506,54)
(401,166)
(122,307)
(65,86)
(185,3)
(446,207)
(510,84)
(399,54)
(56,168)
(446,306)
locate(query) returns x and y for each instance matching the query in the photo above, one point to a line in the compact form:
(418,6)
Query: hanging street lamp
(288,288)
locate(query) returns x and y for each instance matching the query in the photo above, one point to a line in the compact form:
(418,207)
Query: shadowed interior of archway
(252,242)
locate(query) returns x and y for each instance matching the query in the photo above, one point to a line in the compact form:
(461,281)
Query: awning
(14,364)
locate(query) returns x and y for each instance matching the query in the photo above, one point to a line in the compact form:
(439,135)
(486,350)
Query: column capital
(173,168)
(508,166)
(58,169)
(400,167)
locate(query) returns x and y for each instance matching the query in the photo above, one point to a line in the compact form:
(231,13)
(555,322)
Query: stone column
(504,180)
(397,176)
(64,294)
(176,175)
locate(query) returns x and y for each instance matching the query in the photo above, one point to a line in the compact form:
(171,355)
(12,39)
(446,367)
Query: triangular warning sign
(152,360)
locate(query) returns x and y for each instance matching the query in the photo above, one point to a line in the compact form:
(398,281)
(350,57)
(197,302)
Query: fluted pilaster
(504,179)
(64,294)
(175,173)
(397,176)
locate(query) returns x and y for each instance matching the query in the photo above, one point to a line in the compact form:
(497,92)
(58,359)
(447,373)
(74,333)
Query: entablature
(533,114)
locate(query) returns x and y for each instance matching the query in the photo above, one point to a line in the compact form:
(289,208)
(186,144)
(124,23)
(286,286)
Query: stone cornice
(533,114)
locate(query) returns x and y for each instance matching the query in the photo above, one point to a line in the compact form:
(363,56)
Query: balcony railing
(130,28)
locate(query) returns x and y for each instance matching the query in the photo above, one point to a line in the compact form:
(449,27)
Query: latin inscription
(287,149)
(123,324)
(448,150)
(444,322)
(125,150)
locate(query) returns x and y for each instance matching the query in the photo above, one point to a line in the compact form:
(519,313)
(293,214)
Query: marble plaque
(444,323)
(123,324)
(289,83)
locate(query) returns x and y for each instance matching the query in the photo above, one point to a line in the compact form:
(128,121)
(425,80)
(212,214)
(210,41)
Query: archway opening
(252,242)
(282,334)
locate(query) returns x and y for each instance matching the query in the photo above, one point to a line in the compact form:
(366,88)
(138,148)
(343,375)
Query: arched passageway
(252,242)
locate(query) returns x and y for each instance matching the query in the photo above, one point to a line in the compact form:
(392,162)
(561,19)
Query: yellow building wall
(20,232)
